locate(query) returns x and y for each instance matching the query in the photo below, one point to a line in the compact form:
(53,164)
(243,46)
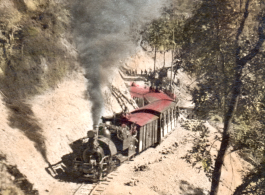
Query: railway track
(96,188)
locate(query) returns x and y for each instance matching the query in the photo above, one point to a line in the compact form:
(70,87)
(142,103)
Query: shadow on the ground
(19,180)
(189,189)
(63,170)
(21,116)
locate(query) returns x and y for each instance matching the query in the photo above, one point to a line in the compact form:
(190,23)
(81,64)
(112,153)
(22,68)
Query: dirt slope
(58,113)
(64,116)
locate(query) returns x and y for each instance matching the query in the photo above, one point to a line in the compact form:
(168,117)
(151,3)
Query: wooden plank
(156,129)
(165,130)
(140,139)
(159,128)
(153,133)
(162,127)
(148,135)
(168,129)
(144,137)
(170,119)
(174,116)
(167,122)
(105,183)
(154,126)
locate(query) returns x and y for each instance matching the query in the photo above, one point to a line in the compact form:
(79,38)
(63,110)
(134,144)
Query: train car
(154,121)
(147,126)
(147,95)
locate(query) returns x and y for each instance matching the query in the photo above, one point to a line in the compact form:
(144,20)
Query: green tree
(152,35)
(164,34)
(223,46)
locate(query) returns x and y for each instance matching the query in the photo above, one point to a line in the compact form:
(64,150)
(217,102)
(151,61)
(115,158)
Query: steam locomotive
(119,138)
(104,149)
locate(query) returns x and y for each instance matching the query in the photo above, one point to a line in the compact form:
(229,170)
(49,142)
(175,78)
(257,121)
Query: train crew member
(133,131)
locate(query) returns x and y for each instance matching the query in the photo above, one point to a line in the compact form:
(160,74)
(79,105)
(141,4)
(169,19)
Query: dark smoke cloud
(106,31)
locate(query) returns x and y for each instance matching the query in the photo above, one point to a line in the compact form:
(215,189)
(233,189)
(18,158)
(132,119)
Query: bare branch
(256,49)
(242,24)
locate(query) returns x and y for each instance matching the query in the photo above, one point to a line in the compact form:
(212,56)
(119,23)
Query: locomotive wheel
(106,168)
(74,173)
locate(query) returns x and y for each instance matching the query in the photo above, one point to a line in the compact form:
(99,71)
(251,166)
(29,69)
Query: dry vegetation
(33,56)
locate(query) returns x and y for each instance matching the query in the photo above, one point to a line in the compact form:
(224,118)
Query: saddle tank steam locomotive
(105,148)
(121,137)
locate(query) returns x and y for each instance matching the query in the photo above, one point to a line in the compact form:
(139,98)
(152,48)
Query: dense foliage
(33,54)
(222,45)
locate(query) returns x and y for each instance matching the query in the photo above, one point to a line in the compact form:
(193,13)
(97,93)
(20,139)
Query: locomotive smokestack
(95,128)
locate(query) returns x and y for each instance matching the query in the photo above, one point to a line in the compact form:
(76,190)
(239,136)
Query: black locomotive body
(103,150)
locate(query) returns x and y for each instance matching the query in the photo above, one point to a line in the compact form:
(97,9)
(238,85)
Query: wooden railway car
(154,121)
(145,96)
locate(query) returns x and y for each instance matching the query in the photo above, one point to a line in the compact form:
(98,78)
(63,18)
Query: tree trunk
(225,136)
(171,75)
(224,82)
(164,58)
(155,61)
(240,63)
